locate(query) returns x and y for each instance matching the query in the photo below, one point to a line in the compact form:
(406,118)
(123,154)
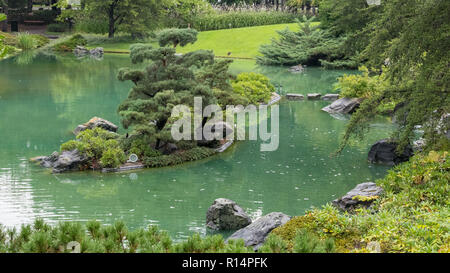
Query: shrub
(253,86)
(70,43)
(91,25)
(56,28)
(98,145)
(179,158)
(112,158)
(360,85)
(26,41)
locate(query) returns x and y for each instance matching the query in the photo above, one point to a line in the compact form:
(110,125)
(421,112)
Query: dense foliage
(411,216)
(253,86)
(413,41)
(311,45)
(101,147)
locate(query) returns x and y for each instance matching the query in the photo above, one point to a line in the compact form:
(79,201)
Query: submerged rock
(255,234)
(330,97)
(384,152)
(343,106)
(297,69)
(362,195)
(225,214)
(94,123)
(291,96)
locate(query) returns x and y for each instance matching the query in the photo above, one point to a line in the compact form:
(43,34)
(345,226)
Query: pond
(43,98)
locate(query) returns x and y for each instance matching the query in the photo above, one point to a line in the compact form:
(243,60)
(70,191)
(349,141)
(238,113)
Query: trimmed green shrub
(179,158)
(98,145)
(253,86)
(112,158)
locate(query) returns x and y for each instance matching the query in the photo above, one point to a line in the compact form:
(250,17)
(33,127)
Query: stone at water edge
(291,96)
(384,152)
(314,96)
(362,195)
(343,106)
(330,97)
(225,214)
(94,123)
(69,161)
(255,234)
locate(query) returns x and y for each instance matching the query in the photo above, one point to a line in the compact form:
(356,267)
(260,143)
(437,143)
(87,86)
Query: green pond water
(43,98)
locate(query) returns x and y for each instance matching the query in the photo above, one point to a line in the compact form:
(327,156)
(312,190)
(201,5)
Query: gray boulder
(255,234)
(362,195)
(97,52)
(225,214)
(69,161)
(80,51)
(291,96)
(94,123)
(343,106)
(330,97)
(314,96)
(384,152)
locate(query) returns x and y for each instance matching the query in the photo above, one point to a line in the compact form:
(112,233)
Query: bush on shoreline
(412,216)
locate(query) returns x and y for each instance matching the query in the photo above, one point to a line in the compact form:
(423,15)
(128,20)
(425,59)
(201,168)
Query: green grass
(241,42)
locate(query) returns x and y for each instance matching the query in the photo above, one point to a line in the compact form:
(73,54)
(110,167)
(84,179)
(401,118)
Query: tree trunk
(111,24)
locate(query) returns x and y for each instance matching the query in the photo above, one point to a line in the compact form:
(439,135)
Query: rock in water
(94,123)
(330,97)
(297,69)
(314,96)
(80,51)
(384,152)
(225,214)
(362,195)
(255,234)
(291,96)
(96,52)
(343,106)
(69,161)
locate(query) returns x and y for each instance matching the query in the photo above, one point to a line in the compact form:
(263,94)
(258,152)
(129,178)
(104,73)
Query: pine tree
(169,79)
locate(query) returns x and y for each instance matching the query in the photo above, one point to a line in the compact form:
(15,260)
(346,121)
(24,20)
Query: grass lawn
(241,42)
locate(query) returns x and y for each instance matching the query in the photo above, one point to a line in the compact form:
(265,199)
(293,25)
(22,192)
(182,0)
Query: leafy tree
(131,16)
(413,40)
(168,80)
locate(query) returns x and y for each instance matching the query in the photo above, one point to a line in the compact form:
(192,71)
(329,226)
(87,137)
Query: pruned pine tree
(169,79)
